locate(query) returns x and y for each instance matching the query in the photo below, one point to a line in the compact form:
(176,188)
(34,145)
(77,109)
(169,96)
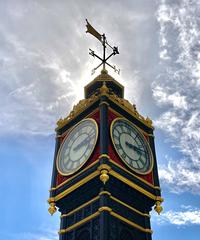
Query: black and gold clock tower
(105,177)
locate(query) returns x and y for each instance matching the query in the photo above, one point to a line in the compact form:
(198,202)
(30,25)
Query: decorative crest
(102,39)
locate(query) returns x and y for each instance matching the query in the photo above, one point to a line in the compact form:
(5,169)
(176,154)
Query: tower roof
(113,85)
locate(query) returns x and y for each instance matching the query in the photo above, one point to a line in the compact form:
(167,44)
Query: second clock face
(77,147)
(131,146)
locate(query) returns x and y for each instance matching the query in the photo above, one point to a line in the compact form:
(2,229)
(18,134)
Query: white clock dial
(131,146)
(77,146)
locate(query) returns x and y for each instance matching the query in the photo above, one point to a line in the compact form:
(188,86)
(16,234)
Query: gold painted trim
(104,208)
(87,116)
(52,189)
(133,185)
(78,208)
(62,231)
(69,179)
(113,173)
(160,199)
(111,197)
(101,209)
(63,142)
(145,142)
(104,102)
(135,225)
(123,203)
(104,166)
(77,185)
(104,155)
(51,200)
(147,122)
(124,169)
(92,164)
(80,107)
(128,206)
(121,116)
(104,192)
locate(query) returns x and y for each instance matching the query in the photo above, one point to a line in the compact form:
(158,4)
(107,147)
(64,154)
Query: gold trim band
(131,208)
(135,225)
(109,210)
(103,156)
(78,208)
(104,192)
(114,174)
(133,185)
(62,231)
(104,208)
(151,185)
(76,185)
(111,197)
(92,164)
(132,112)
(106,156)
(123,203)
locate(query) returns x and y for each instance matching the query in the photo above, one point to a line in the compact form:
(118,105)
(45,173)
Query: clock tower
(105,177)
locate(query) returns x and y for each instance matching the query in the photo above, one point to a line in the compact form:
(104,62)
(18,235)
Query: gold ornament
(158,208)
(104,176)
(77,109)
(149,121)
(131,108)
(52,209)
(104,208)
(104,89)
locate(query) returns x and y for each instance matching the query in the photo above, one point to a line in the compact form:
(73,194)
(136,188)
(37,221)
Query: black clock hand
(86,140)
(138,150)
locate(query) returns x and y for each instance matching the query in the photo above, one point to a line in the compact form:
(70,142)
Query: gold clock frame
(69,132)
(145,141)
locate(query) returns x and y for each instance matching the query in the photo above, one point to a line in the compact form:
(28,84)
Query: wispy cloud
(176,90)
(44,62)
(37,235)
(35,86)
(185,217)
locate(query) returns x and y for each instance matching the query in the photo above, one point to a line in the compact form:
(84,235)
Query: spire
(104,78)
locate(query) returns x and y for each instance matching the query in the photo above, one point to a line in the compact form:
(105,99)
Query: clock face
(131,146)
(77,147)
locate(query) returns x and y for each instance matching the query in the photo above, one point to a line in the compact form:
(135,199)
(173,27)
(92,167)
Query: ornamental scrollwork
(77,109)
(131,107)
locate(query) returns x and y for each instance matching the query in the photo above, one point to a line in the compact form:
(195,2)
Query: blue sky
(44,65)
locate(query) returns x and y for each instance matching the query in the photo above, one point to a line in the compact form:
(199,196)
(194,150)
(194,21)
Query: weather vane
(102,39)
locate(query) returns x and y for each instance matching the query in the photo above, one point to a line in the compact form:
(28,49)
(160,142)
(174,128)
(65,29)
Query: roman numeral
(123,155)
(119,129)
(118,145)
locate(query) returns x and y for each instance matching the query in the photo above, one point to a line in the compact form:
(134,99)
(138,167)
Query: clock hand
(86,140)
(138,150)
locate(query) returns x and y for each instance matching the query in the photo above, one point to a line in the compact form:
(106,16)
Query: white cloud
(179,218)
(176,90)
(164,53)
(46,234)
(35,88)
(175,99)
(44,62)
(180,176)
